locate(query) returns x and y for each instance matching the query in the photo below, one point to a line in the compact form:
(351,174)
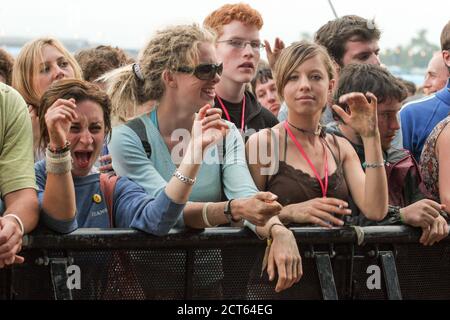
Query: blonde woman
(179,69)
(40,63)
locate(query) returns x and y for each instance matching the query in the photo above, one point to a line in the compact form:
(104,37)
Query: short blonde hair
(169,49)
(295,55)
(26,67)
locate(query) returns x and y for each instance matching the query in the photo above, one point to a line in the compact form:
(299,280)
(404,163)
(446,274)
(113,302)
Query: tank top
(292,185)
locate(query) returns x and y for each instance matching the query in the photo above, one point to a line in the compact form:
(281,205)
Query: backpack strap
(138,126)
(222,150)
(107,186)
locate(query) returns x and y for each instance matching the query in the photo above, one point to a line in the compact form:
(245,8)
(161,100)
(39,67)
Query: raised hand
(363,113)
(59,118)
(273,55)
(208,128)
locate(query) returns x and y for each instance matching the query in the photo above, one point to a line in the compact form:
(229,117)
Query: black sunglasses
(205,71)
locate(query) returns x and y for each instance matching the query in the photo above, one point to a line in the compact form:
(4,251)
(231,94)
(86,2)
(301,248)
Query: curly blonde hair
(26,67)
(169,49)
(230,12)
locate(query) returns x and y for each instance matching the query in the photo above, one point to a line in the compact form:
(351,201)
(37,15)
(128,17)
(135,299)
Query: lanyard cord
(323,186)
(227,115)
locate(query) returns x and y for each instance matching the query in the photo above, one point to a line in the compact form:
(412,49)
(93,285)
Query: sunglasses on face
(205,71)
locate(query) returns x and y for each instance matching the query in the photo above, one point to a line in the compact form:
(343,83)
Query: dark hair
(335,34)
(445,37)
(6,65)
(95,62)
(263,74)
(366,77)
(409,85)
(79,90)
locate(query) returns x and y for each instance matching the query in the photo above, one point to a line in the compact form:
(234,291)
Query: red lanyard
(228,115)
(324,187)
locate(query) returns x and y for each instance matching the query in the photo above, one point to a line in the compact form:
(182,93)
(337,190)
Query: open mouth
(247,65)
(82,158)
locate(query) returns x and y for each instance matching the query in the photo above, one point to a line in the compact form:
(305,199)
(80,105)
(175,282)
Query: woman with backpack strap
(179,70)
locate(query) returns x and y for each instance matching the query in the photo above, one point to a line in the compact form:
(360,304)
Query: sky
(130,23)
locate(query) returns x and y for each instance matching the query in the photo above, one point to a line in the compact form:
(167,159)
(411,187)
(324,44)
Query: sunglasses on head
(206,71)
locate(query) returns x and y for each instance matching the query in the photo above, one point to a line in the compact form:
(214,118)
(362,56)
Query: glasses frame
(244,43)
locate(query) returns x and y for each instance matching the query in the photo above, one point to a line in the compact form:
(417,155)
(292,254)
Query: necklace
(323,185)
(317,132)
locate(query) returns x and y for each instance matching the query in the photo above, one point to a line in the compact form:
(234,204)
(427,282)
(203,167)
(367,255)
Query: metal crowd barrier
(225,263)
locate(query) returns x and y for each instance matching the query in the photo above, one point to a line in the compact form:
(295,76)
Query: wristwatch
(227,212)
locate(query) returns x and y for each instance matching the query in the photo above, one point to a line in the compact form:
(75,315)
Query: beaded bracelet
(63,149)
(373,165)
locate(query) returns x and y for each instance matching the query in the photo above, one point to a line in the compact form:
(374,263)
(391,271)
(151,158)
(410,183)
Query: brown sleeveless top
(294,186)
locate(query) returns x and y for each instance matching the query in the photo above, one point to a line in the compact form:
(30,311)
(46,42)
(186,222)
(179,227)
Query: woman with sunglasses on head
(314,173)
(179,69)
(40,63)
(74,121)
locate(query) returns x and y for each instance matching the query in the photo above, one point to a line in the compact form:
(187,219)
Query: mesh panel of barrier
(229,272)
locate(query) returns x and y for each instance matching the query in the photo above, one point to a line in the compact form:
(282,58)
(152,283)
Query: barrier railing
(225,263)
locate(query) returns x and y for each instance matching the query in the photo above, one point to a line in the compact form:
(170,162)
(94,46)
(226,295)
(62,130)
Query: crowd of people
(198,131)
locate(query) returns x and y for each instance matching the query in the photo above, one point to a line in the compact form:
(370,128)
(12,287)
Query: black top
(256,116)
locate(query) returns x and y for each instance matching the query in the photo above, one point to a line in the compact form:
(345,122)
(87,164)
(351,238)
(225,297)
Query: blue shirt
(132,206)
(418,119)
(129,159)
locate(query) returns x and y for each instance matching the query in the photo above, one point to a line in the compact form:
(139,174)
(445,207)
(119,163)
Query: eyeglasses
(203,71)
(241,44)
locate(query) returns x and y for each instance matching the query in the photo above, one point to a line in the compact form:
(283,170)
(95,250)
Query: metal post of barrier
(390,275)
(326,276)
(58,272)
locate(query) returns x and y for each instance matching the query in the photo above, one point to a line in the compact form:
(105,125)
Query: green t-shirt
(16,143)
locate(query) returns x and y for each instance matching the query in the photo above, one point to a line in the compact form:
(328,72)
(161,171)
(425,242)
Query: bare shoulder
(264,136)
(444,139)
(343,144)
